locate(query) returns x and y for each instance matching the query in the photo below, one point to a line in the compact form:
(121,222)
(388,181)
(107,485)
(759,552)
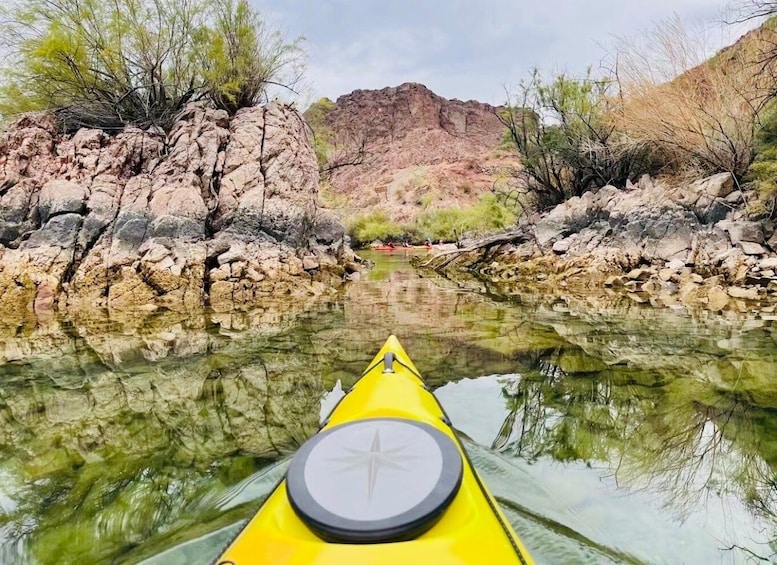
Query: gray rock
(772,243)
(562,246)
(61,196)
(327,228)
(746,293)
(177,227)
(768,263)
(743,231)
(750,248)
(60,231)
(130,228)
(735,198)
(715,186)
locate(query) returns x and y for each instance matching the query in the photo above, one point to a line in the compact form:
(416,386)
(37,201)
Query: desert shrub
(240,55)
(762,173)
(323,136)
(693,112)
(110,64)
(424,201)
(566,140)
(373,226)
(449,223)
(763,176)
(334,150)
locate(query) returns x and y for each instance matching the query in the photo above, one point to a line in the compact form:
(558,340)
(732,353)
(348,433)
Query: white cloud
(465,48)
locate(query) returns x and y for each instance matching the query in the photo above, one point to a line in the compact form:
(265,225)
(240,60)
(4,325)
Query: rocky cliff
(220,211)
(670,245)
(421,150)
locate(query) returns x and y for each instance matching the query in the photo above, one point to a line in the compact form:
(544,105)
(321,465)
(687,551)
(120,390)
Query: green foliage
(374,226)
(426,200)
(763,174)
(323,136)
(318,111)
(109,64)
(766,134)
(241,56)
(565,139)
(487,215)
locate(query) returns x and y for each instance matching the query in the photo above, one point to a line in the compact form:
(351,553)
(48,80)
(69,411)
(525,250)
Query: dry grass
(700,114)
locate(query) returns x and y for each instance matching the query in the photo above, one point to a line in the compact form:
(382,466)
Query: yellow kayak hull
(471,530)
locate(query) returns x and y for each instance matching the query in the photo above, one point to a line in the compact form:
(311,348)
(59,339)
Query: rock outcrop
(665,244)
(220,211)
(421,151)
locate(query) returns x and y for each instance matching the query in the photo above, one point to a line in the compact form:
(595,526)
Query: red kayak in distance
(400,247)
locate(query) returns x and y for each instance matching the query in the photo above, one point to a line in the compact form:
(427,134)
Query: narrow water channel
(610,431)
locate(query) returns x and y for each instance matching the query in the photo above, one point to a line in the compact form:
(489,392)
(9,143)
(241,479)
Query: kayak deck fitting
(385,481)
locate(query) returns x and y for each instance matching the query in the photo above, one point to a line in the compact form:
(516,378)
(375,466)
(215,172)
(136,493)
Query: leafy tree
(109,64)
(566,140)
(243,56)
(449,223)
(372,226)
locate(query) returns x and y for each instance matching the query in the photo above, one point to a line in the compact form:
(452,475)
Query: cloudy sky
(468,49)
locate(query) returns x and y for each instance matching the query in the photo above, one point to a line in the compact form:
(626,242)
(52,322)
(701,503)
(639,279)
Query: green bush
(763,174)
(240,55)
(566,140)
(110,64)
(323,136)
(449,223)
(374,226)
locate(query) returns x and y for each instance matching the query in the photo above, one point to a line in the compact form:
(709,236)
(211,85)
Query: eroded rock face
(421,151)
(668,245)
(218,210)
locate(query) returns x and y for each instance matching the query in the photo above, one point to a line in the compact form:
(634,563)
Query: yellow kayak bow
(385,481)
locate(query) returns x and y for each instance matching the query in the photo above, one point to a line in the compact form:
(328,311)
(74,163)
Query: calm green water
(611,432)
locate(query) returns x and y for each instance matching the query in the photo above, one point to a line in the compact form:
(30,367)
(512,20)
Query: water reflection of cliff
(108,432)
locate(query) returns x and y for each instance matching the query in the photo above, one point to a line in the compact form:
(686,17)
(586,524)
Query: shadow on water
(610,432)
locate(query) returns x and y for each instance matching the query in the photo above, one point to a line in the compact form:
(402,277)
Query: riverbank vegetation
(139,62)
(661,109)
(447,224)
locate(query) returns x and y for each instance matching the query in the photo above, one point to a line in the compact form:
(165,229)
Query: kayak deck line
(386,480)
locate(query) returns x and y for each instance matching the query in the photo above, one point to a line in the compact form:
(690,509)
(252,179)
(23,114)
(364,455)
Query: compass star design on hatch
(375,459)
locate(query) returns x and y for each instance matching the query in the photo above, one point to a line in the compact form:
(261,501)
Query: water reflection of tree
(568,419)
(681,436)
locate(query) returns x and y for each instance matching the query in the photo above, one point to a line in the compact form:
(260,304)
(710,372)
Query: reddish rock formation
(420,148)
(220,210)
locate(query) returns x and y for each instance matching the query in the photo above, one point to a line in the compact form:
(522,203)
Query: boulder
(743,231)
(750,248)
(717,298)
(744,293)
